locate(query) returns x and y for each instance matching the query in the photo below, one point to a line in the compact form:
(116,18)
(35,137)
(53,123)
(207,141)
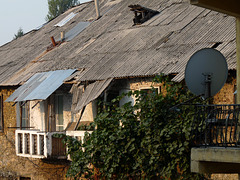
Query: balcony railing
(79,135)
(36,144)
(216,125)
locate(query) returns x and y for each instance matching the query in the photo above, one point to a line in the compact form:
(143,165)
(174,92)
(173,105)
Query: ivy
(149,140)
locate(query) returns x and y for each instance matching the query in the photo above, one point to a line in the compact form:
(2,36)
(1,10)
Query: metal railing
(216,125)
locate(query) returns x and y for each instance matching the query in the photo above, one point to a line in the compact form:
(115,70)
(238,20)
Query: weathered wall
(67,114)
(12,166)
(136,84)
(37,119)
(225,95)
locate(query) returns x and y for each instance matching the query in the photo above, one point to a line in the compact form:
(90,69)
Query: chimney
(97,8)
(62,36)
(53,41)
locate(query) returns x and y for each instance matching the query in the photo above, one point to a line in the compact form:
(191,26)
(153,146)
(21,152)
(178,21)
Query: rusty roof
(111,47)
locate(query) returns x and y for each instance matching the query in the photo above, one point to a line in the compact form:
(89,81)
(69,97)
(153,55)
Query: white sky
(27,14)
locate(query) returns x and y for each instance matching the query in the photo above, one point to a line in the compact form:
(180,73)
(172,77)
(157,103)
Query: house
(51,78)
(218,159)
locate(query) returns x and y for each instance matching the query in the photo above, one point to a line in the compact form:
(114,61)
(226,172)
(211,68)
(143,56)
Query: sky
(27,14)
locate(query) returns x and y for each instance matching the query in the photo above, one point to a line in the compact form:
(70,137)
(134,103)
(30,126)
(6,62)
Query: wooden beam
(230,7)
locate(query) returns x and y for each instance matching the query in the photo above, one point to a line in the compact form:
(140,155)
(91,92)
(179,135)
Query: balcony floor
(215,160)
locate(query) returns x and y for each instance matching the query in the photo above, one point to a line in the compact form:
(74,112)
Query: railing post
(45,145)
(31,143)
(38,144)
(24,143)
(17,143)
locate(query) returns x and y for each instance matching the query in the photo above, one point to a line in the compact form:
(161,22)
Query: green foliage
(19,33)
(57,7)
(144,141)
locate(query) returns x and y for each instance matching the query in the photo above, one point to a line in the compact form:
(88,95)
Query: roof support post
(238,57)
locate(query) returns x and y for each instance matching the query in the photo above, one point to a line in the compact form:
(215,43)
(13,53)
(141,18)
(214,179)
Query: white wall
(37,115)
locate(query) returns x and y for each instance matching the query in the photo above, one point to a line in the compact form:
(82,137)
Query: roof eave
(230,7)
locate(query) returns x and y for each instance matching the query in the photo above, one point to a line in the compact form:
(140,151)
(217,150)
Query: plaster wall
(37,115)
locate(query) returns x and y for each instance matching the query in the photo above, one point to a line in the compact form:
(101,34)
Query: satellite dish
(206,72)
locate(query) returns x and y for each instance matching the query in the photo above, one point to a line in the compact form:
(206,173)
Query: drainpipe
(238,57)
(97,8)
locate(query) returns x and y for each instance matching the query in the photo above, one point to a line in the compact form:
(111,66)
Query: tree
(149,140)
(19,33)
(57,7)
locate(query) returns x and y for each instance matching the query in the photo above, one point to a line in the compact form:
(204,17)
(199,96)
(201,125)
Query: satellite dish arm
(184,103)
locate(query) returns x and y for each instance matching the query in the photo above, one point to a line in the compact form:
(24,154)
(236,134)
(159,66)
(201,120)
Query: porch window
(59,112)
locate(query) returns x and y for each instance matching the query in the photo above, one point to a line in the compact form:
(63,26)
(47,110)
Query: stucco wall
(12,166)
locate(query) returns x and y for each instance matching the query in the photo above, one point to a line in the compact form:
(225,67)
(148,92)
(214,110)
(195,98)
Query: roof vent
(142,14)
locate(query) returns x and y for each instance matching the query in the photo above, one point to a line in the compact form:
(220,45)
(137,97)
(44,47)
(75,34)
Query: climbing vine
(146,141)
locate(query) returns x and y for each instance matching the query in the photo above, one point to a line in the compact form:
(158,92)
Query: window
(54,113)
(23,118)
(149,90)
(59,112)
(1,113)
(24,115)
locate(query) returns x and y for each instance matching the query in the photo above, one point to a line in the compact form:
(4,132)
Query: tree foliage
(146,141)
(19,33)
(57,7)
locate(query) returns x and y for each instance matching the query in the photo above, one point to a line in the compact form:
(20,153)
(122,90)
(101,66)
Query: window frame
(24,106)
(56,108)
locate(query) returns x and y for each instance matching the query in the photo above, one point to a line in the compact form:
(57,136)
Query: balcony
(216,145)
(36,144)
(216,126)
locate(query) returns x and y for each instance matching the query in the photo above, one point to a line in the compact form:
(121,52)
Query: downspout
(97,9)
(238,57)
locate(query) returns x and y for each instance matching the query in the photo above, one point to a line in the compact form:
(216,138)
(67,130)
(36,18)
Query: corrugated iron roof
(76,30)
(65,20)
(111,47)
(92,92)
(40,86)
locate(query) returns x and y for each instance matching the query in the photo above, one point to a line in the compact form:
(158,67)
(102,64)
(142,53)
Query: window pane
(59,112)
(25,117)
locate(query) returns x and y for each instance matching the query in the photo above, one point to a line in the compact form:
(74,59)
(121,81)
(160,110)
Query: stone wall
(226,94)
(12,166)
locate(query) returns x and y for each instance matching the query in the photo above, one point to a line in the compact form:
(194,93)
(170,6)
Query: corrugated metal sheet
(76,30)
(40,86)
(111,47)
(92,92)
(65,20)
